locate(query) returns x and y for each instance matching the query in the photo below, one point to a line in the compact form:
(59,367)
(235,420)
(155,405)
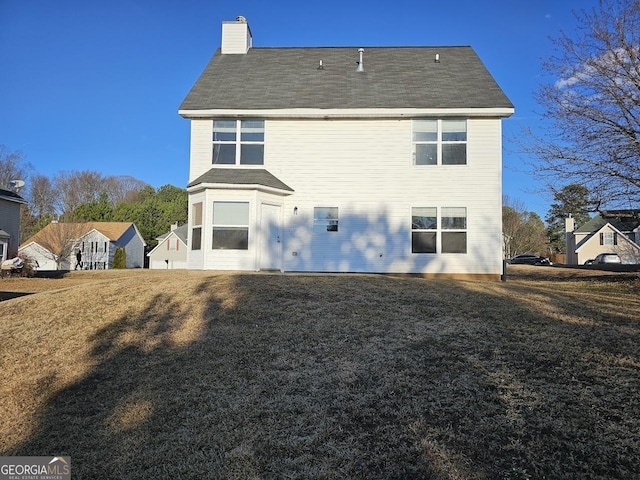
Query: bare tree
(592,106)
(522,231)
(77,188)
(13,166)
(60,241)
(42,196)
(122,188)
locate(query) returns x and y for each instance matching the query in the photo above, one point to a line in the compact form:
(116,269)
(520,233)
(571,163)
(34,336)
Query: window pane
(426,154)
(196,238)
(325,219)
(231,238)
(454,130)
(230,213)
(251,154)
(423,242)
(224,131)
(425,130)
(224,154)
(252,131)
(322,213)
(197,213)
(454,218)
(423,218)
(454,154)
(454,242)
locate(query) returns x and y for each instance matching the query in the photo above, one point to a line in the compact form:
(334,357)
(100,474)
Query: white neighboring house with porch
(10,203)
(96,241)
(382,159)
(171,251)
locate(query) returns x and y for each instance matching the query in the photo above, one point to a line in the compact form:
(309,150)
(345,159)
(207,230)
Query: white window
(608,238)
(424,229)
(238,142)
(439,142)
(453,222)
(446,234)
(196,226)
(230,225)
(325,219)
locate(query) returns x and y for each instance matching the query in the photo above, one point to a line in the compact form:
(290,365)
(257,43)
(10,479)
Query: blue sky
(96,85)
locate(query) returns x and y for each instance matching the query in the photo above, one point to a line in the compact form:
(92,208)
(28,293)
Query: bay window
(230,225)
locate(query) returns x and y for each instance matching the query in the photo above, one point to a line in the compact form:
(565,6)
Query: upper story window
(439,142)
(608,238)
(238,142)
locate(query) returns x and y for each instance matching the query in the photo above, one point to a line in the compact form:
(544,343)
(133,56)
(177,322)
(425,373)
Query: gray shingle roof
(623,220)
(393,77)
(11,196)
(241,176)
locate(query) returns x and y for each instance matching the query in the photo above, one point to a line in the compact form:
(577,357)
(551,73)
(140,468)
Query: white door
(271,249)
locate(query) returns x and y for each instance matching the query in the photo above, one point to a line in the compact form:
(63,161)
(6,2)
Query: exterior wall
(589,247)
(44,259)
(96,250)
(163,258)
(134,247)
(236,37)
(10,223)
(365,168)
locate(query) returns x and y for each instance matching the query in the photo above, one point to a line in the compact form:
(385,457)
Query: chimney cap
(241,19)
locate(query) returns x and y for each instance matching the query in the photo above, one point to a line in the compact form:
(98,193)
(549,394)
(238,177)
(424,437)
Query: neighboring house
(10,203)
(171,251)
(613,231)
(96,241)
(387,159)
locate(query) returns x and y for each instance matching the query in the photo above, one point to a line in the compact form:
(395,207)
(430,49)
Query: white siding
(163,257)
(236,38)
(43,257)
(365,168)
(201,147)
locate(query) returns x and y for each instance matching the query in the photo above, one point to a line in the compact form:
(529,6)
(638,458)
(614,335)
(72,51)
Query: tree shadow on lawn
(380,378)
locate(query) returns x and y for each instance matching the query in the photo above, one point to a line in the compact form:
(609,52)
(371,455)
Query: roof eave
(235,186)
(339,113)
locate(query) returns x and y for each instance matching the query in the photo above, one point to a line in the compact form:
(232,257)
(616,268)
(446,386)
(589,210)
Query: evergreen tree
(572,200)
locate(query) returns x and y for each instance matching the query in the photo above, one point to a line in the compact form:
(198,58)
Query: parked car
(530,259)
(606,258)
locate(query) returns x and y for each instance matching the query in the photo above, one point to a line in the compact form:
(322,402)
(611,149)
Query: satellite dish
(17,184)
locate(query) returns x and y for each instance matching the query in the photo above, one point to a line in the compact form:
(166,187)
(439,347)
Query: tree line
(84,196)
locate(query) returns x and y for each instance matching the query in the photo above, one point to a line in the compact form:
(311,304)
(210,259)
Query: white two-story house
(377,159)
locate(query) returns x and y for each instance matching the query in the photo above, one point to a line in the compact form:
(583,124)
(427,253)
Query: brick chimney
(236,37)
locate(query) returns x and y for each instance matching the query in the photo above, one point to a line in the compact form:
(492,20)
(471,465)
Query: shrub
(120,258)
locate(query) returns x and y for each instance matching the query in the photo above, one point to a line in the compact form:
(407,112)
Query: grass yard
(156,374)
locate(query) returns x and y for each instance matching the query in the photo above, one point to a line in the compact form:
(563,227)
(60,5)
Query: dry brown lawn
(156,374)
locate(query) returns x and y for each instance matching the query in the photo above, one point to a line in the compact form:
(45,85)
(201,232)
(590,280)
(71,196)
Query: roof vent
(360,62)
(321,66)
(437,59)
